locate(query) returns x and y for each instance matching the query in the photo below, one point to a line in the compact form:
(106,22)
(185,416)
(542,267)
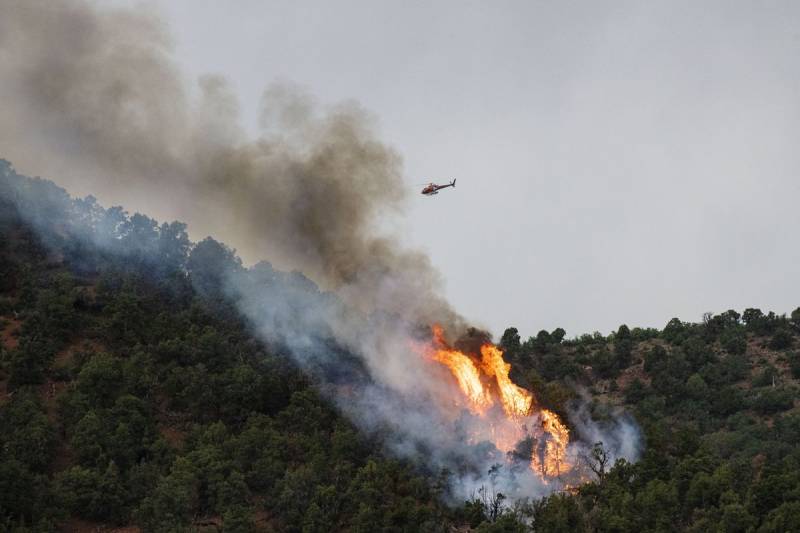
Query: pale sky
(617,162)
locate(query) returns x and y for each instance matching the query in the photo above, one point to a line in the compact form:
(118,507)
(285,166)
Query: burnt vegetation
(133,394)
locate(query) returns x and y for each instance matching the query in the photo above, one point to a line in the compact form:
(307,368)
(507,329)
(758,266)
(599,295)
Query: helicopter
(432,188)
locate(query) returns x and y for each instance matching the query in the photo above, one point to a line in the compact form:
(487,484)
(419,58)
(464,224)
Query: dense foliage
(132,393)
(718,404)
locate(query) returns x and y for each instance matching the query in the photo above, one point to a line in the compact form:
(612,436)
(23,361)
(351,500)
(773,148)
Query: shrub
(781,340)
(772,400)
(734,341)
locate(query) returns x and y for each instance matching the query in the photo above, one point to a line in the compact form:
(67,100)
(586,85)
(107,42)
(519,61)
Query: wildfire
(468,377)
(552,462)
(485,383)
(516,400)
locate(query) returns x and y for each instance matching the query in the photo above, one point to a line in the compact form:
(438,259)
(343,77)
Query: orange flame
(465,372)
(553,461)
(485,382)
(468,377)
(516,400)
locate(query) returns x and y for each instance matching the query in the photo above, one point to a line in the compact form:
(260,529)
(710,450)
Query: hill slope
(132,394)
(127,397)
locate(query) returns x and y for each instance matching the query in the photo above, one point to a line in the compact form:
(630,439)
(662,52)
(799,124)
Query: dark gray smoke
(91,96)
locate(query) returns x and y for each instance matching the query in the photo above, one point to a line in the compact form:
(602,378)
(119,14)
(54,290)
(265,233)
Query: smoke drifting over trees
(92,98)
(93,95)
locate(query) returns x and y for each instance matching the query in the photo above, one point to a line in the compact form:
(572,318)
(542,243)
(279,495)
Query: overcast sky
(617,162)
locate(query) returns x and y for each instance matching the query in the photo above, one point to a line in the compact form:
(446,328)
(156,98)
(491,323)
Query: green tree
(20,492)
(696,387)
(238,519)
(784,518)
(505,524)
(558,335)
(794,365)
(781,340)
(733,340)
(510,341)
(93,494)
(622,352)
(209,263)
(795,319)
(99,379)
(657,505)
(674,331)
(26,434)
(559,514)
(173,502)
(736,519)
(28,363)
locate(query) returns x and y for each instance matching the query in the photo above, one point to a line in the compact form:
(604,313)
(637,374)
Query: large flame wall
(509,412)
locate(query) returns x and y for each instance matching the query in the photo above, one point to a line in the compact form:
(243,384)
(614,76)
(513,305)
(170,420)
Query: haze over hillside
(590,144)
(302,368)
(132,393)
(310,195)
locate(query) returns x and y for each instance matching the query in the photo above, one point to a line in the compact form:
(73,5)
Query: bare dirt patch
(173,436)
(631,374)
(757,353)
(8,336)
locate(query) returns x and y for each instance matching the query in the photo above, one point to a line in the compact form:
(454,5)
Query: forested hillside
(718,405)
(127,397)
(133,395)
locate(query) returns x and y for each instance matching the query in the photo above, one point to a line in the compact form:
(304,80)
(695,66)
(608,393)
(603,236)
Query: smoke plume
(92,97)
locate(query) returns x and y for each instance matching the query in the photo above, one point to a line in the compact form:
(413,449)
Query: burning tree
(508,413)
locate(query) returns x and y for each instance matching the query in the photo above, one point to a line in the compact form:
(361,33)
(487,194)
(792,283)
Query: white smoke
(92,97)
